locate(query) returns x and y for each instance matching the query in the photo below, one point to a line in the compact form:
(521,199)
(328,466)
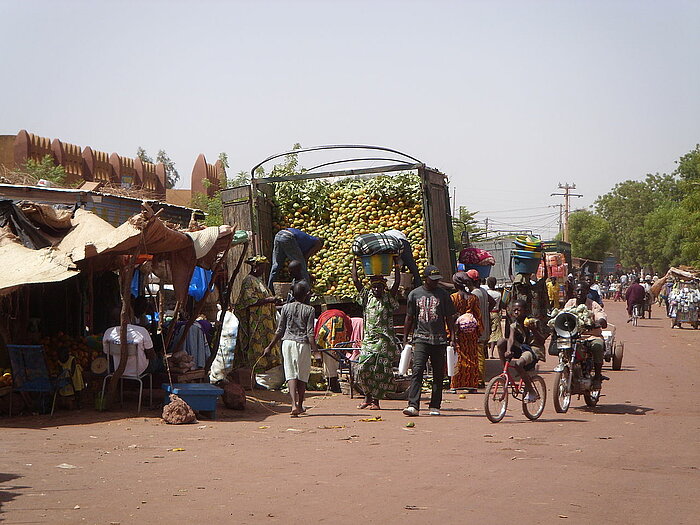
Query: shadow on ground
(6,492)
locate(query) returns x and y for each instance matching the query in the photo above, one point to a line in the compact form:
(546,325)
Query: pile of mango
(84,349)
(340,211)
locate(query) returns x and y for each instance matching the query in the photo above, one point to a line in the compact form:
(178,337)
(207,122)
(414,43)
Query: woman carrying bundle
(468,326)
(374,372)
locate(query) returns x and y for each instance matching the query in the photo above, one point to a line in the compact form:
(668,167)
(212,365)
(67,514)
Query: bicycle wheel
(534,409)
(562,394)
(496,399)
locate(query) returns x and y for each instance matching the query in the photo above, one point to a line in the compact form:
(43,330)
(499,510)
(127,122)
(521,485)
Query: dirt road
(633,459)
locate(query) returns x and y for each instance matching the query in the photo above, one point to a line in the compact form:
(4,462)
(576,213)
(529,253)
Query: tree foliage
(171,174)
(45,169)
(590,235)
(466,222)
(655,222)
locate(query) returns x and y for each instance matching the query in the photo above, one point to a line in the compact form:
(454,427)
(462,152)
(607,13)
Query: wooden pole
(125,276)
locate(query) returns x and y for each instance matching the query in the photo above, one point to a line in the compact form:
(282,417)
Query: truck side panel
(438,224)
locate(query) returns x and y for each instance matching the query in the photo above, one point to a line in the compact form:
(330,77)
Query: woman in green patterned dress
(256,312)
(374,374)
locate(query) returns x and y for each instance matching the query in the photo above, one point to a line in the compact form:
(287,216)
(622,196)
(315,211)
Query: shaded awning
(22,265)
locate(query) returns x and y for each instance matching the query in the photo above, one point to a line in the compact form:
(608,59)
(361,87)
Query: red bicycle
(496,397)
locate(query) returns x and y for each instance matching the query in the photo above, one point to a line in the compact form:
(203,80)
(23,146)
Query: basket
(527,254)
(282,289)
(379,264)
(527,247)
(525,265)
(484,271)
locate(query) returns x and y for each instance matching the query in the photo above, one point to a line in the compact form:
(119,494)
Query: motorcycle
(575,371)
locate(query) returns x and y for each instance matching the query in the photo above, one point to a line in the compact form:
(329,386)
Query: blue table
(200,396)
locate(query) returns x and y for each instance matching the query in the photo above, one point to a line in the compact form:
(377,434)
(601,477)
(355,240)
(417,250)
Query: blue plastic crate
(200,396)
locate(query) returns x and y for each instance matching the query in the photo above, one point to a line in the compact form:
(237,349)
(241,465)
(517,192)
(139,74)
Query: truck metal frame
(249,207)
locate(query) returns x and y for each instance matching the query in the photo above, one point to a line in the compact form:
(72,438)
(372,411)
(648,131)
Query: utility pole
(486,227)
(567,195)
(561,207)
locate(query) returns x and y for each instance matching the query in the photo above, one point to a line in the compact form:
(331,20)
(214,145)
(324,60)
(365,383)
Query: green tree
(45,169)
(688,216)
(590,235)
(141,154)
(171,174)
(625,209)
(466,222)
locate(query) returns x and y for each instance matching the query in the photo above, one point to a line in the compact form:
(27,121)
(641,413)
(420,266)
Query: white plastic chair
(133,354)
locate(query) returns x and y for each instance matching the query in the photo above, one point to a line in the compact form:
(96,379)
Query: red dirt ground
(633,459)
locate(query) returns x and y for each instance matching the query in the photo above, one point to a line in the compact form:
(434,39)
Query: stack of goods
(527,254)
(376,251)
(684,298)
(181,362)
(556,266)
(83,349)
(476,259)
(584,316)
(341,211)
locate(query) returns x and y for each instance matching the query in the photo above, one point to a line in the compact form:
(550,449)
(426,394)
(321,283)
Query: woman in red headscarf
(466,341)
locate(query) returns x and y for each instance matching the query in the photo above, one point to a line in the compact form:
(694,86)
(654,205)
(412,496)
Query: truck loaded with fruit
(338,206)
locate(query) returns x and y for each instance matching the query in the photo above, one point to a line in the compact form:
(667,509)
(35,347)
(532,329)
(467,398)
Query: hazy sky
(507,98)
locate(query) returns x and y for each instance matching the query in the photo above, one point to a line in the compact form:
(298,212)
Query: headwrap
(473,275)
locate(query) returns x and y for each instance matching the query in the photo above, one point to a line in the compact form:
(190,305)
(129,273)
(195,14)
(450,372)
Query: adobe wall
(88,164)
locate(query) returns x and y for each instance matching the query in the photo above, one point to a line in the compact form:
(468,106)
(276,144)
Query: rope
(260,402)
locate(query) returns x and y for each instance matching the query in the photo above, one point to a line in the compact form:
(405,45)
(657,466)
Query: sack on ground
(272,379)
(177,412)
(234,396)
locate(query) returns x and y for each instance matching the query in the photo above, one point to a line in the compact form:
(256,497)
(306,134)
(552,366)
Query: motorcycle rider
(593,335)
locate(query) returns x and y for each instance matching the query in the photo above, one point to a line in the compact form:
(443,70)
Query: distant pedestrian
(494,315)
(485,307)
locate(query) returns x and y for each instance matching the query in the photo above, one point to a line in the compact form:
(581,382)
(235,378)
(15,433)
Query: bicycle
(636,314)
(496,396)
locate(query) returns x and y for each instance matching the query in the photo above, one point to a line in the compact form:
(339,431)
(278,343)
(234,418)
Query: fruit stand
(340,205)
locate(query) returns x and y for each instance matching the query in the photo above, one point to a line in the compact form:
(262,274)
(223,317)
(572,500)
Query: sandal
(374,406)
(363,405)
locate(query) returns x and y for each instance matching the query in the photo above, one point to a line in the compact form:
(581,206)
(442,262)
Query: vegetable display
(339,211)
(584,316)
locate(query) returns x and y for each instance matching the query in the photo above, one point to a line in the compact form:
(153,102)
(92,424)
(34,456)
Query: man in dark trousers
(429,309)
(634,295)
(291,244)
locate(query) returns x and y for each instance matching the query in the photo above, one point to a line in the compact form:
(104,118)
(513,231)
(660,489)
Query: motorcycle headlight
(563,343)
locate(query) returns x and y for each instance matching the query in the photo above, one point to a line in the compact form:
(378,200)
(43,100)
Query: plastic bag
(199,282)
(272,379)
(405,360)
(451,361)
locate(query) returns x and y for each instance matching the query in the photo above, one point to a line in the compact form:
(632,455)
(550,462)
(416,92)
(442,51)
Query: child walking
(296,330)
